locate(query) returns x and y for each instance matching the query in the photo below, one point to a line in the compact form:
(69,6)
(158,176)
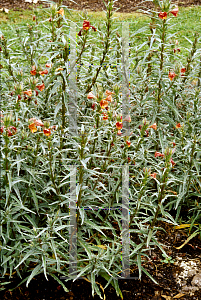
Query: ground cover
(123,123)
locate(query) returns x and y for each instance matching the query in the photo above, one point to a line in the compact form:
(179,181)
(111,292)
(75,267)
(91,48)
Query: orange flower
(48,65)
(28,93)
(32,127)
(175,11)
(153,175)
(105,116)
(103,103)
(119,125)
(178,125)
(47,132)
(90,96)
(109,93)
(43,72)
(162,15)
(128,143)
(61,12)
(59,69)
(41,87)
(154,126)
(33,71)
(171,75)
(109,98)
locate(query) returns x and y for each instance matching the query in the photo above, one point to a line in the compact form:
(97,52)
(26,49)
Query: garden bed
(100,154)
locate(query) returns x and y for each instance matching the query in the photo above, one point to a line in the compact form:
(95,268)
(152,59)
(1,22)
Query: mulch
(125,6)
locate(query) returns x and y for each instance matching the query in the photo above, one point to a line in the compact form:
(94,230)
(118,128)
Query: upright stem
(160,80)
(107,44)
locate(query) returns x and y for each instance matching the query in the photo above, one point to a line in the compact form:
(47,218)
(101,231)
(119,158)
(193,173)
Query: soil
(125,6)
(171,284)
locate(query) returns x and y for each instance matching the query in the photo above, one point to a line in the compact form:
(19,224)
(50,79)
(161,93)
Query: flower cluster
(158,154)
(163,15)
(34,123)
(43,72)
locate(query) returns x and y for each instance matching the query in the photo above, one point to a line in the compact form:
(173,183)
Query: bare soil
(125,6)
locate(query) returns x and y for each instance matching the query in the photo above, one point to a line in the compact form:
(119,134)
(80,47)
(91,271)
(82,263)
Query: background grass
(187,22)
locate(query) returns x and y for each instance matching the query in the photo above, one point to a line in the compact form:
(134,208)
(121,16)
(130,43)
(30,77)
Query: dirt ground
(125,6)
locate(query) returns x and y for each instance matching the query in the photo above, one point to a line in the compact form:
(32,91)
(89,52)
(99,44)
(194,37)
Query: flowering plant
(73,133)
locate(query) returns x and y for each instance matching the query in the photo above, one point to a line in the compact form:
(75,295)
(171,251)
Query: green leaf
(36,271)
(60,282)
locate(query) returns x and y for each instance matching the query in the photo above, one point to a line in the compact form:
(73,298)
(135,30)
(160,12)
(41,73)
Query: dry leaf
(178,296)
(167,297)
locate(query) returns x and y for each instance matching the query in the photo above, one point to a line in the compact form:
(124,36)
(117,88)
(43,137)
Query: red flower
(93,105)
(47,132)
(36,93)
(9,132)
(105,116)
(33,71)
(175,11)
(178,125)
(158,154)
(183,70)
(172,162)
(153,175)
(162,15)
(41,87)
(43,72)
(128,143)
(19,97)
(86,25)
(48,65)
(119,125)
(34,18)
(171,75)
(1,129)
